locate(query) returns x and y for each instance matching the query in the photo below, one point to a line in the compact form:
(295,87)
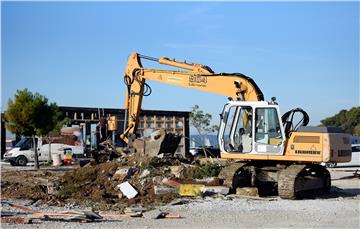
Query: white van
(23,152)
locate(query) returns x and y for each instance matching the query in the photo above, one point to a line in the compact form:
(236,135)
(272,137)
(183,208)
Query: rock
(247,191)
(166,169)
(121,173)
(124,173)
(131,172)
(127,189)
(176,170)
(157,179)
(120,195)
(37,203)
(211,190)
(179,202)
(158,214)
(145,173)
(163,215)
(210,181)
(143,182)
(161,190)
(51,188)
(170,182)
(190,189)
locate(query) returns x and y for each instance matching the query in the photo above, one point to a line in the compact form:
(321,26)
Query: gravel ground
(340,210)
(239,213)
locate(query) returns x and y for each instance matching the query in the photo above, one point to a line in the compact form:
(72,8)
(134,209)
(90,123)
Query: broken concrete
(176,170)
(247,191)
(170,182)
(121,173)
(124,173)
(157,179)
(145,173)
(161,190)
(210,181)
(158,143)
(212,190)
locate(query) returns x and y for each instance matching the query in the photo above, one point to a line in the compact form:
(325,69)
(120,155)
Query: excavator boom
(236,86)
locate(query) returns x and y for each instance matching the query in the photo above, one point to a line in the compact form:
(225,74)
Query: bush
(199,172)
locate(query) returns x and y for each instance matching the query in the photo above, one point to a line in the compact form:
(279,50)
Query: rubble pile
(129,184)
(126,181)
(118,178)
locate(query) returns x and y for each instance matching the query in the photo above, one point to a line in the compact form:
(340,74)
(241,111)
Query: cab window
(238,130)
(267,126)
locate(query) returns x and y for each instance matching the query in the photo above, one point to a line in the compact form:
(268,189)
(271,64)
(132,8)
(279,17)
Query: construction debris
(128,190)
(212,190)
(179,202)
(124,173)
(165,215)
(31,215)
(247,191)
(16,220)
(190,189)
(176,170)
(145,173)
(158,143)
(161,190)
(170,182)
(130,179)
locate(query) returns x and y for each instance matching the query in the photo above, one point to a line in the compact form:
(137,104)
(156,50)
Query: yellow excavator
(272,151)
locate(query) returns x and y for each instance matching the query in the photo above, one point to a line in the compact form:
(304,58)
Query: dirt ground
(340,209)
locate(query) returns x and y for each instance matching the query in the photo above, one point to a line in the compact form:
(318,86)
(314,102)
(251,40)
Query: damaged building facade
(150,120)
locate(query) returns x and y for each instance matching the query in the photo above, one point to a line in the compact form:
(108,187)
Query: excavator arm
(236,86)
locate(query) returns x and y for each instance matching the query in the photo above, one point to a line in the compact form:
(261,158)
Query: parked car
(355,157)
(23,152)
(10,143)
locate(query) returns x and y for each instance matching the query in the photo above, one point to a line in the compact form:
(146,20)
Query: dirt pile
(98,183)
(31,185)
(156,181)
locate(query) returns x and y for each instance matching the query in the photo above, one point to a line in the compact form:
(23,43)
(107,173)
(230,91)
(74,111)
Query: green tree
(201,121)
(348,120)
(30,115)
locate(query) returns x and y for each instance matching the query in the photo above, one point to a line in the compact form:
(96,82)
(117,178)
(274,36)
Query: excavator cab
(251,128)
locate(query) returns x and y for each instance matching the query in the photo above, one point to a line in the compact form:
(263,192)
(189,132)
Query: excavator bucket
(159,142)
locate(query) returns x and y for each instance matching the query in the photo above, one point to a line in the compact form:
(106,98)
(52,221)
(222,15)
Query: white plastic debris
(127,189)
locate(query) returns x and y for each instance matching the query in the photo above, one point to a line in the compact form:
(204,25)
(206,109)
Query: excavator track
(227,173)
(295,180)
(286,182)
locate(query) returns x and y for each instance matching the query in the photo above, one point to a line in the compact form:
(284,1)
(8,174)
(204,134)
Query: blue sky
(306,54)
